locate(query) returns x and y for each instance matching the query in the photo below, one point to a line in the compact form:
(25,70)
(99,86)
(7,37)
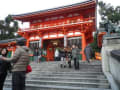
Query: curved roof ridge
(46,10)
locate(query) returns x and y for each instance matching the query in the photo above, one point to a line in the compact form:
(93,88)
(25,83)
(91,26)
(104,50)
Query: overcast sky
(25,6)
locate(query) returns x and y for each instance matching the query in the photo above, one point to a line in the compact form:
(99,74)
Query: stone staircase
(49,76)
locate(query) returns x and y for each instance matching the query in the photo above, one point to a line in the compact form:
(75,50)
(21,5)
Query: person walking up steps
(88,52)
(63,58)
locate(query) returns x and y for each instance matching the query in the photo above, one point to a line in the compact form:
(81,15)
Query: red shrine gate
(60,27)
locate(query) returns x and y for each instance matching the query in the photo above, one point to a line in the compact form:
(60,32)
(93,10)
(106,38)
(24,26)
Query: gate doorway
(76,41)
(50,47)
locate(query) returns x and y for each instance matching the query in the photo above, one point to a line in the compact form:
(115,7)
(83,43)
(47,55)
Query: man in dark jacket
(75,56)
(20,61)
(88,52)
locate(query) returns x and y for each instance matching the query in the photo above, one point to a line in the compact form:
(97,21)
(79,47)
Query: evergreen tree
(6,29)
(94,45)
(110,13)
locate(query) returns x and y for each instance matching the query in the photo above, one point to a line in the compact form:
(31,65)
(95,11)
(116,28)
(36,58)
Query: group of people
(66,56)
(17,64)
(37,55)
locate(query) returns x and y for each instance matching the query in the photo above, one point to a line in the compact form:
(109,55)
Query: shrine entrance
(59,27)
(77,41)
(50,52)
(50,47)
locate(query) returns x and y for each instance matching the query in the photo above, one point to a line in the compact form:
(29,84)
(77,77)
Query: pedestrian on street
(75,54)
(88,52)
(5,67)
(20,61)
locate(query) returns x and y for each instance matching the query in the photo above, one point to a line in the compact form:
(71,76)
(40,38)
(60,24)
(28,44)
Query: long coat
(20,59)
(88,52)
(75,53)
(4,66)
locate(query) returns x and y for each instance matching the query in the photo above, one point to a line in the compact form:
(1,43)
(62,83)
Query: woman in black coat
(4,68)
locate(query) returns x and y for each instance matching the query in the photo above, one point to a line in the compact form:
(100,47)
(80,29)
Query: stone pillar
(65,40)
(40,42)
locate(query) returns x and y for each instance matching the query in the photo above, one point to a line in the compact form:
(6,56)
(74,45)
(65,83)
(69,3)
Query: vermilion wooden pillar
(27,43)
(13,50)
(83,46)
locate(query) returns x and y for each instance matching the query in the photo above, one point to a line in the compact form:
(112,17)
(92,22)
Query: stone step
(57,73)
(91,65)
(49,76)
(72,63)
(76,79)
(57,87)
(66,69)
(47,88)
(92,80)
(54,62)
(83,65)
(58,63)
(71,72)
(74,72)
(99,77)
(66,75)
(63,70)
(66,83)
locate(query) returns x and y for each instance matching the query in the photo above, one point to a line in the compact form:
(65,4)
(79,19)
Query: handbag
(29,69)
